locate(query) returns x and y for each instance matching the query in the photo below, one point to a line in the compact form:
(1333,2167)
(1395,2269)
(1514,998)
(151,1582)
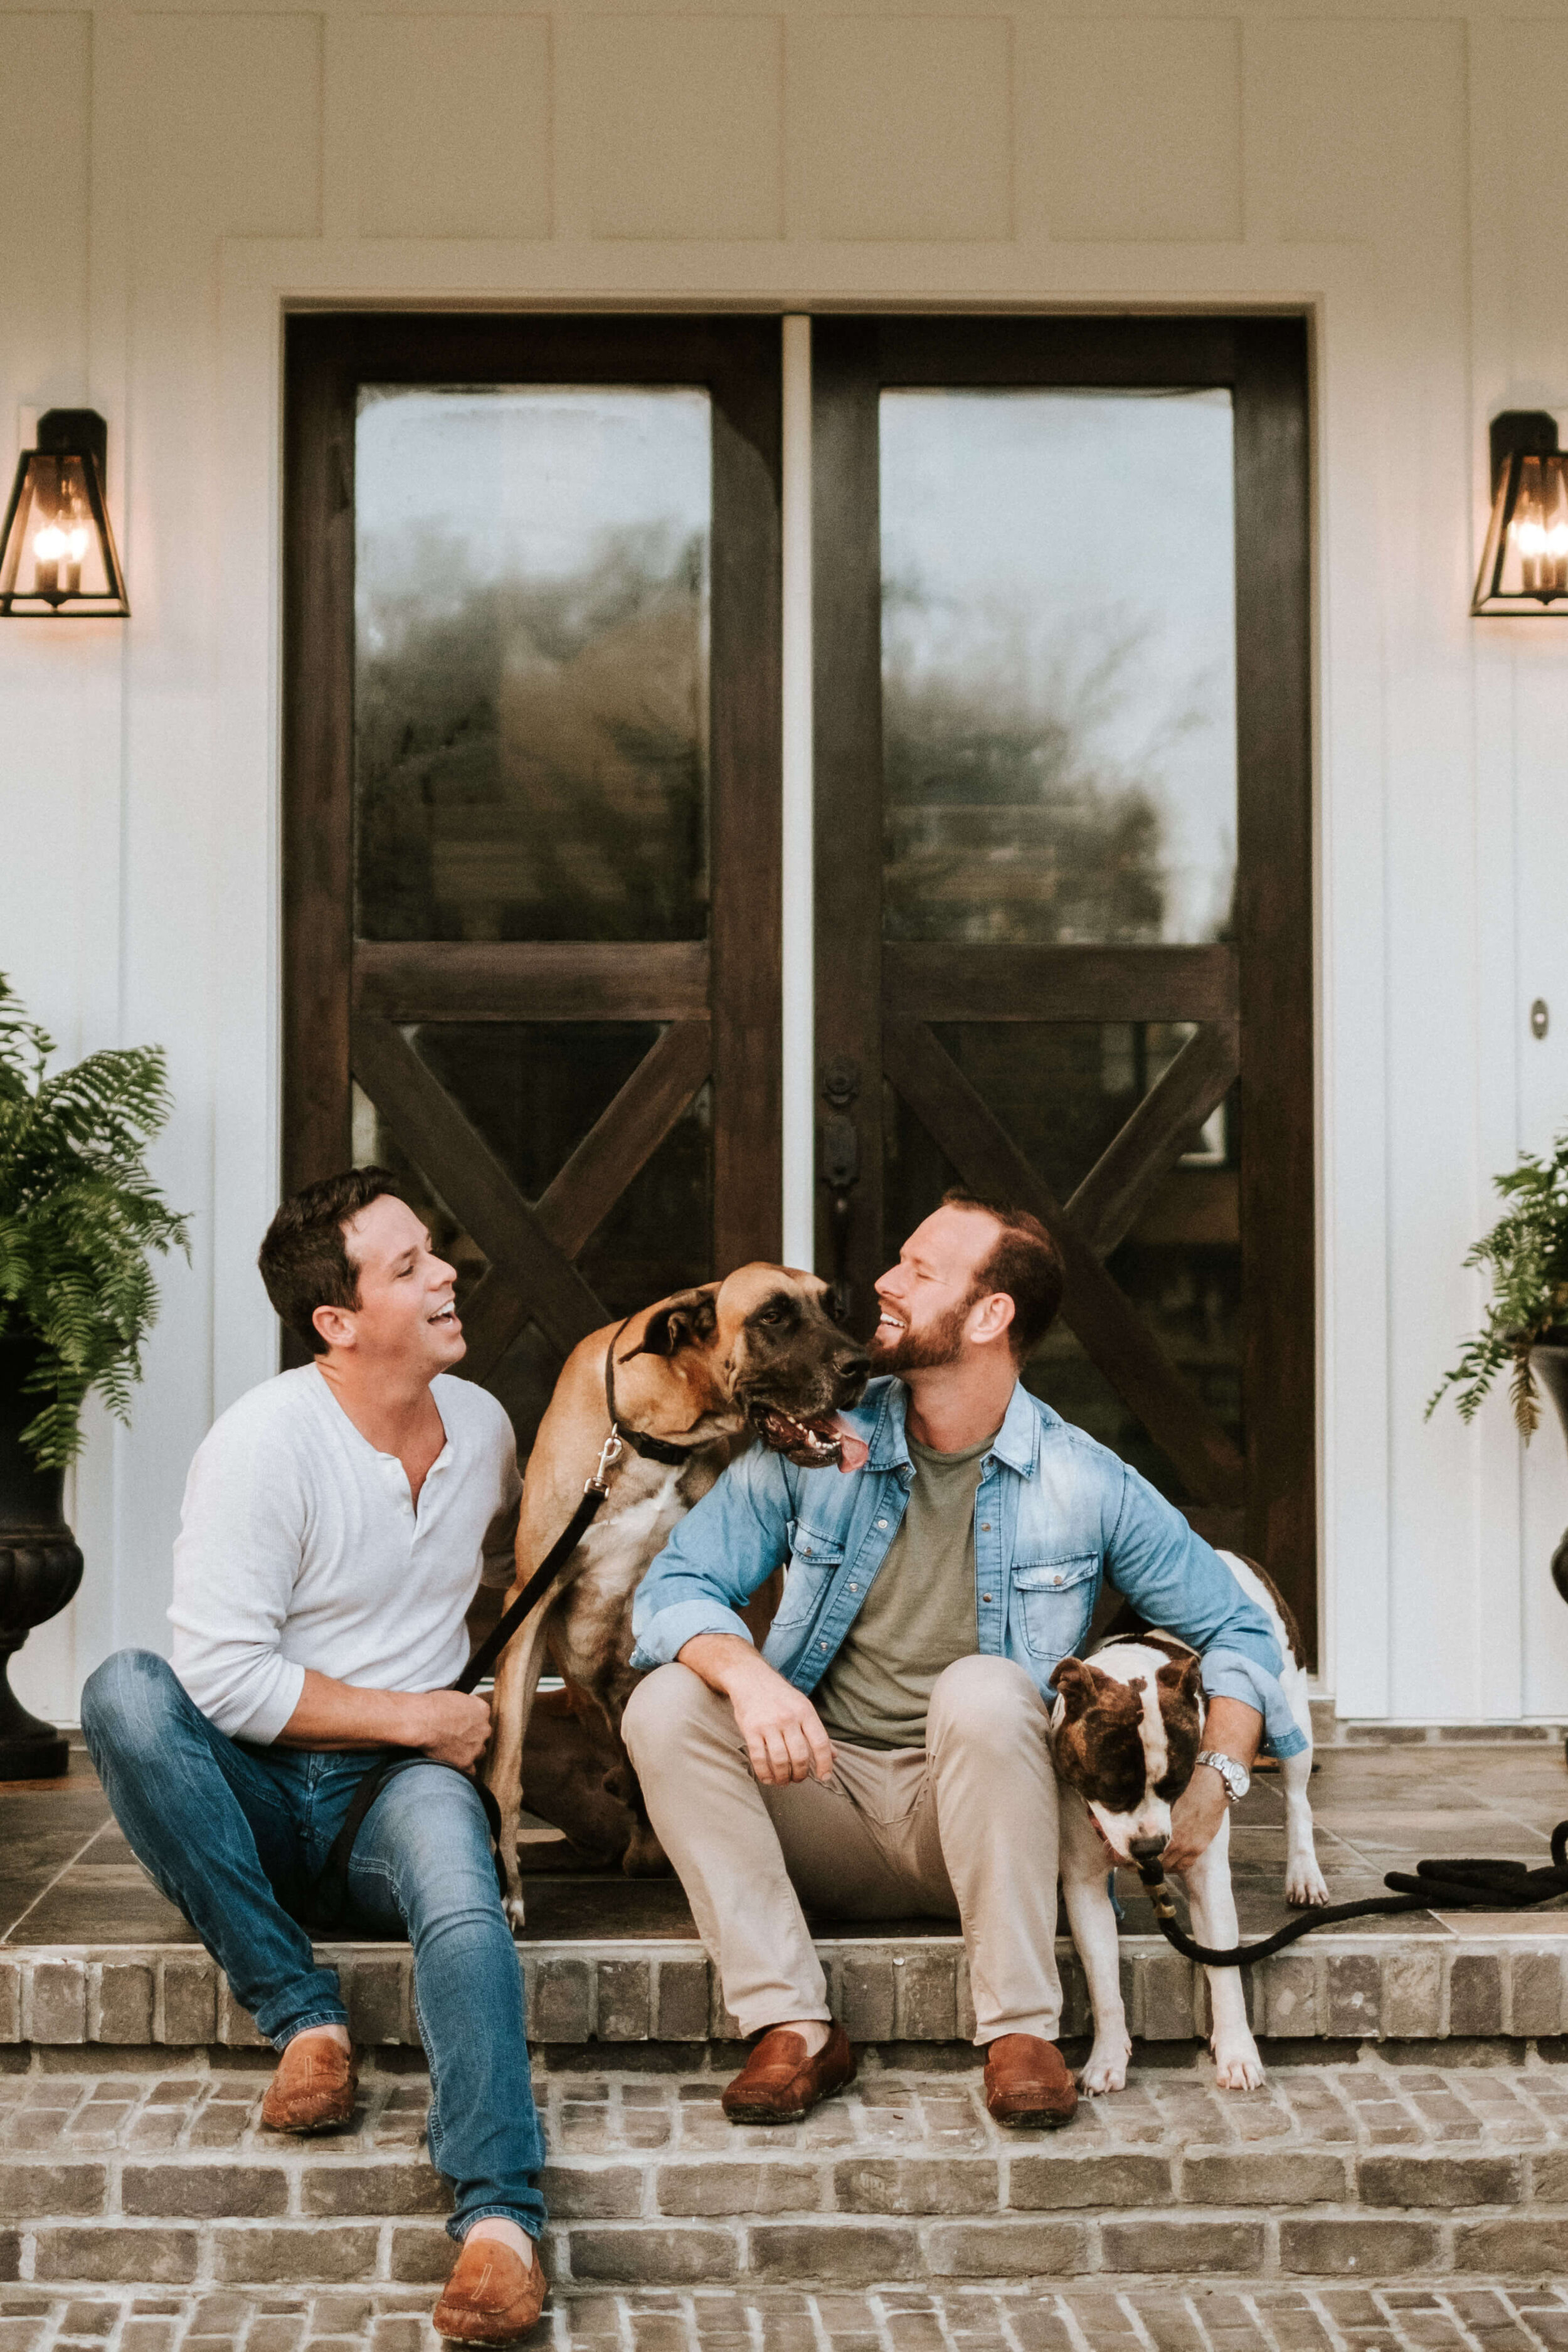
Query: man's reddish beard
(941,1342)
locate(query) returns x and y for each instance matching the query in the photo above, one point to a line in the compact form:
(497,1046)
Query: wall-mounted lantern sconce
(1524,570)
(57,560)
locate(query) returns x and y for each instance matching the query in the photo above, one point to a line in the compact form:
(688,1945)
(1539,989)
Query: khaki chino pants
(963,1828)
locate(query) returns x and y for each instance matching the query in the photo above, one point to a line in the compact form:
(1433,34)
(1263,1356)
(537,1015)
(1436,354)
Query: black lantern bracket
(57,556)
(1524,566)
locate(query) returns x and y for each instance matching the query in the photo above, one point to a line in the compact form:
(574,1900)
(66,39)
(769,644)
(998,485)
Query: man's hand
(1232,1728)
(450,1726)
(781,1729)
(455,1727)
(1194,1818)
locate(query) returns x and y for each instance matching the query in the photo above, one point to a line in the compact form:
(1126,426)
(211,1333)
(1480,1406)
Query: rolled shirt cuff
(1228,1675)
(664,1637)
(268,1716)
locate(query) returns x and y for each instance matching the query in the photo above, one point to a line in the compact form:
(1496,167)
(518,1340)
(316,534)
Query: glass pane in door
(531,676)
(1059,666)
(1058,711)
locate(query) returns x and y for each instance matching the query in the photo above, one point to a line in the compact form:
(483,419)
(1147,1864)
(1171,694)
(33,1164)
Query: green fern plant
(1526,1254)
(79,1216)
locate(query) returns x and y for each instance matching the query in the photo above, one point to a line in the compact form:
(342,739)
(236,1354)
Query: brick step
(164,2178)
(1179,2315)
(1488,1978)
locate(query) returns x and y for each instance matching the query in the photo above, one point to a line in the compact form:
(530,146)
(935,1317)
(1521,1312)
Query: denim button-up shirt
(1054,1513)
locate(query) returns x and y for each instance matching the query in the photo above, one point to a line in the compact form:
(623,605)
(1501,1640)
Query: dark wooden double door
(1062,830)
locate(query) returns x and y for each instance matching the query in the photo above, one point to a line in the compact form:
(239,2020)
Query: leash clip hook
(610,1454)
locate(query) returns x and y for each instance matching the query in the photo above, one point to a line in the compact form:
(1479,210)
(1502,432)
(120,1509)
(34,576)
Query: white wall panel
(1369,130)
(1141,129)
(228,112)
(452,125)
(683,118)
(904,125)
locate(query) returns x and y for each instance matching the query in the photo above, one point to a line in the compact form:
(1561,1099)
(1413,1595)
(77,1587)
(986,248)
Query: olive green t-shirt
(918,1616)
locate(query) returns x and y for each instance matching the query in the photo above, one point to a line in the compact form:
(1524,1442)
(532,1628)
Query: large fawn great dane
(689,1381)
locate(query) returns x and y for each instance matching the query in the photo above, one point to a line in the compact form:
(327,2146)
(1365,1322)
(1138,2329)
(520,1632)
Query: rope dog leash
(1448,1885)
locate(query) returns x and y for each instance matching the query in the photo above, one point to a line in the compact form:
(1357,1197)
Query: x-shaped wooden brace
(531,1276)
(1099,1215)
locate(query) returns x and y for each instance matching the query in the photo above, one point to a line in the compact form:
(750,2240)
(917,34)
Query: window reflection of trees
(532,755)
(1005,822)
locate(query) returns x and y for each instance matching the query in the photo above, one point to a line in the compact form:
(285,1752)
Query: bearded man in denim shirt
(888,1751)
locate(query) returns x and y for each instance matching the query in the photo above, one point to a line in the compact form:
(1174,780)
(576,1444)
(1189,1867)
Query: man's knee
(128,1702)
(665,1709)
(430,1827)
(986,1700)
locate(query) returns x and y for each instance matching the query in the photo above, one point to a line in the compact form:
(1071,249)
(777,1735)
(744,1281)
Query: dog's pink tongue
(853,1451)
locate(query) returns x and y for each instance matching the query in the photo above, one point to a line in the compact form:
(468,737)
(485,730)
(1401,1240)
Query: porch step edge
(1505,1980)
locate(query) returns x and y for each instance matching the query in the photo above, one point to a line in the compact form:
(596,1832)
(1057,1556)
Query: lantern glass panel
(61,552)
(1535,560)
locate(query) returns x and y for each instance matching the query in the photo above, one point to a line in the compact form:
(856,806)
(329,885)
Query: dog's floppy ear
(1183,1678)
(678,1323)
(1075,1687)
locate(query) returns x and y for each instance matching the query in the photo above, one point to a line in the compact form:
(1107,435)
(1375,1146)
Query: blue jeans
(236,1835)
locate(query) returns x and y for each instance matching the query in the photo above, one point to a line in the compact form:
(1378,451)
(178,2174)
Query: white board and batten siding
(170,178)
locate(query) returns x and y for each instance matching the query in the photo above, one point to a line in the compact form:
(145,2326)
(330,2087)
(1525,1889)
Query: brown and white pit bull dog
(1125,1735)
(700,1373)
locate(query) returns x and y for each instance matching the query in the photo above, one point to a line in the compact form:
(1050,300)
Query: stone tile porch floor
(1180,2316)
(67,1875)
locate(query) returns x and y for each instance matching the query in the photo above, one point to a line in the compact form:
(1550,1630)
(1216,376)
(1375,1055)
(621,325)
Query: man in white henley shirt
(337,1522)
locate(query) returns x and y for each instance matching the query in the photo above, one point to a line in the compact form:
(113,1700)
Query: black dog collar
(652,1449)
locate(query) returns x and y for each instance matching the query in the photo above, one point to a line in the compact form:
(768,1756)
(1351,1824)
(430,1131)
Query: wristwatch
(1236,1778)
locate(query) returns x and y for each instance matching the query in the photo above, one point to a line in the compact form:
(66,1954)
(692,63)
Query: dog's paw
(1105,2069)
(1305,1885)
(1237,2066)
(516,1912)
(643,1857)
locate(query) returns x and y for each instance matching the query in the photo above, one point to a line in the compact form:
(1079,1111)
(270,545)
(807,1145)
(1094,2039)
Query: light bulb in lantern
(59,543)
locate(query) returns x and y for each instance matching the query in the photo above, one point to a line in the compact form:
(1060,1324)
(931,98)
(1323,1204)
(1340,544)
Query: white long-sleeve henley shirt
(300,1547)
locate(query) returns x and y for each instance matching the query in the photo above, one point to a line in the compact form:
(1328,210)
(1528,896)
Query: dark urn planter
(40,1567)
(1549,1362)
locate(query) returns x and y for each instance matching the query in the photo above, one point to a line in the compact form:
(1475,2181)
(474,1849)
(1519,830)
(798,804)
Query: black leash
(332,1884)
(1442,1885)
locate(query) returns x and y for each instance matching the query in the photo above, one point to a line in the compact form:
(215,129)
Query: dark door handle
(839,1145)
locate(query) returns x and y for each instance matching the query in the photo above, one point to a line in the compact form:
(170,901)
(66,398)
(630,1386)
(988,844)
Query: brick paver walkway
(1183,2316)
(1363,2172)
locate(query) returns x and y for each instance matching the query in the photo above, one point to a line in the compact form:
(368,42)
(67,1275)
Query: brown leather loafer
(1027,2083)
(492,2296)
(313,2089)
(779,2082)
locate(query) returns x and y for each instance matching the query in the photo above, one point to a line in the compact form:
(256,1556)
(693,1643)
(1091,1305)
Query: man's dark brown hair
(304,1260)
(1026,1264)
